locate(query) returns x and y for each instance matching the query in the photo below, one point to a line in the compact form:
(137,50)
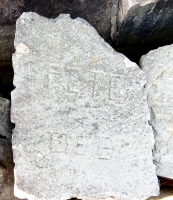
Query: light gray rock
(80,114)
(158,66)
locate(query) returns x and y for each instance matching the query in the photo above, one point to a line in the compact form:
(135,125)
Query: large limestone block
(80,114)
(158,66)
(143,24)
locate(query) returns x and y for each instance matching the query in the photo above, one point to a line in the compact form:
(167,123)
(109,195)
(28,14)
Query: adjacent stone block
(143,23)
(158,66)
(81,115)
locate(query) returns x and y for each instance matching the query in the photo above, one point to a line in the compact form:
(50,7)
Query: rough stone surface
(144,24)
(81,115)
(158,66)
(6,159)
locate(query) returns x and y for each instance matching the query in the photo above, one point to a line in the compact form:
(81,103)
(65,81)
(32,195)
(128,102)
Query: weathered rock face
(6,159)
(80,114)
(144,24)
(158,66)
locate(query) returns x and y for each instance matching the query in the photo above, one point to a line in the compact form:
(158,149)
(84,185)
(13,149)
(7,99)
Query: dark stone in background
(145,28)
(147,24)
(6,80)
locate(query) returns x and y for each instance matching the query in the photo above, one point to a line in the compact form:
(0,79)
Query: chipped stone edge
(19,193)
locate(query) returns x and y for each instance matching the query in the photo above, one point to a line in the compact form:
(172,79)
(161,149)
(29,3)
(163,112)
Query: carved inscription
(31,78)
(85,83)
(70,83)
(109,87)
(77,114)
(116,93)
(101,86)
(82,145)
(104,149)
(81,82)
(55,84)
(36,75)
(58,142)
(103,146)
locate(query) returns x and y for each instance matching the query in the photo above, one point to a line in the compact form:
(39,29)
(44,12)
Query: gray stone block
(158,66)
(81,115)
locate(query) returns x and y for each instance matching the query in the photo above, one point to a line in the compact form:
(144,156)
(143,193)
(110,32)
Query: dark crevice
(165,182)
(12,126)
(6,80)
(2,137)
(74,198)
(2,165)
(136,52)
